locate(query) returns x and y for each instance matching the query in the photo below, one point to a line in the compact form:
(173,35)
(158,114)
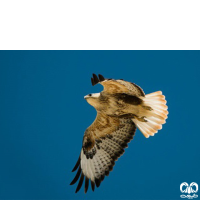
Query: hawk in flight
(121,107)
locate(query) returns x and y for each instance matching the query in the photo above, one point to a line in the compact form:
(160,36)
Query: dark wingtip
(76,177)
(92,81)
(86,184)
(92,185)
(80,183)
(95,78)
(102,177)
(101,78)
(77,165)
(97,182)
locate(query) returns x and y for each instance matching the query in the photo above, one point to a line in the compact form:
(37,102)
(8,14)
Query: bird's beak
(85,97)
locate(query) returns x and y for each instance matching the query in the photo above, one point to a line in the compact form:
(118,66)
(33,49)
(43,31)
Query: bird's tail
(153,115)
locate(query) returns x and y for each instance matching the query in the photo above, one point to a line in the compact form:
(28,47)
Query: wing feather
(76,166)
(92,185)
(101,149)
(113,86)
(77,176)
(86,184)
(80,182)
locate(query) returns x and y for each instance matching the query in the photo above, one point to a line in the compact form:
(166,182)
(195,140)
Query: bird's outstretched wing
(112,86)
(103,143)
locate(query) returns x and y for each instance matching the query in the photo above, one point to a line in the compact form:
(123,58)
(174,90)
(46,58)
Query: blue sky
(43,118)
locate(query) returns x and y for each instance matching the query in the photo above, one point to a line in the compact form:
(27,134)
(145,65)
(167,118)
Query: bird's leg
(147,108)
(141,119)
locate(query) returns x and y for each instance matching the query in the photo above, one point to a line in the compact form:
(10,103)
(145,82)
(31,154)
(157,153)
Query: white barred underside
(107,150)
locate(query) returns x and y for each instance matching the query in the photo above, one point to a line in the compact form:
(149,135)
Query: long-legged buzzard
(121,107)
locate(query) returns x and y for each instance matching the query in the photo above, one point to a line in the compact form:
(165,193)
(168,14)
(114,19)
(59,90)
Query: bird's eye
(89,95)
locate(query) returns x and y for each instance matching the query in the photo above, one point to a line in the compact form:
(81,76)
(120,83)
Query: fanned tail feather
(154,114)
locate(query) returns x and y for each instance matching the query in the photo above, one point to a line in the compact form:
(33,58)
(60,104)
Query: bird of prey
(121,107)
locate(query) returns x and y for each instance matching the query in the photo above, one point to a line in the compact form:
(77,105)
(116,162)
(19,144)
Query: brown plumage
(121,106)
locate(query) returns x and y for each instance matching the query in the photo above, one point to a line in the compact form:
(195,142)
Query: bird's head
(93,99)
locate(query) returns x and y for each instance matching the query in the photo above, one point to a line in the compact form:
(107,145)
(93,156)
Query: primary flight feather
(121,107)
